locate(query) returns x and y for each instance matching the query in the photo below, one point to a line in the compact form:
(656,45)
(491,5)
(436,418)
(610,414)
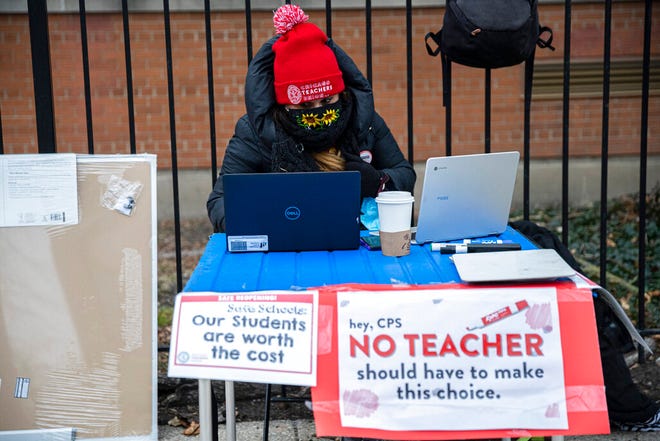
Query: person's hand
(371,179)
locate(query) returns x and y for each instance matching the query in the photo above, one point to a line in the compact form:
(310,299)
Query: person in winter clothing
(309,108)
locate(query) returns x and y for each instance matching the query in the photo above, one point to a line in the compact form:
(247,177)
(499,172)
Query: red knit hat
(305,68)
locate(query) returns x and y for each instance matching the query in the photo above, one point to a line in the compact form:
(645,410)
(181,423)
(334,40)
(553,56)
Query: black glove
(371,179)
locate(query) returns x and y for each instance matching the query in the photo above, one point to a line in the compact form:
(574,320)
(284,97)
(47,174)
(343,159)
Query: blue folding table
(221,271)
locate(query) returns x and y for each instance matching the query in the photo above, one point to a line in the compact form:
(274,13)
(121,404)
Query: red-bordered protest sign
(454,361)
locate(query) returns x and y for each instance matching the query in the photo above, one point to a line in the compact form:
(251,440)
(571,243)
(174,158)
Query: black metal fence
(38,21)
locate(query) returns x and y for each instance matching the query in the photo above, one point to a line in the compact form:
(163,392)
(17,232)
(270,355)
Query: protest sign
(262,337)
(432,359)
(458,361)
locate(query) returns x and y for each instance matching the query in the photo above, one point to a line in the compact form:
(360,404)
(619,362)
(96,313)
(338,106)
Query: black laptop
(306,211)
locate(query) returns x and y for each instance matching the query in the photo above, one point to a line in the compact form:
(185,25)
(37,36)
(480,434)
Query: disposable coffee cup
(394,215)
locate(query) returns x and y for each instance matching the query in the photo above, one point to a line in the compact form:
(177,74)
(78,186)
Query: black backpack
(489,33)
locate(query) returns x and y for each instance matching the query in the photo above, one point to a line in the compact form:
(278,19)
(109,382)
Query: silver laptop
(505,266)
(466,196)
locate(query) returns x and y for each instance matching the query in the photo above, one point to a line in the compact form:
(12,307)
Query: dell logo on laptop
(292,213)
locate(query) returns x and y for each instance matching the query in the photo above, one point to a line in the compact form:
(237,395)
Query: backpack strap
(529,77)
(446,80)
(436,37)
(545,42)
(446,100)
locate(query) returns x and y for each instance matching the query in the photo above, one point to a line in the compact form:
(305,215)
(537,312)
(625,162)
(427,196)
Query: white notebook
(504,266)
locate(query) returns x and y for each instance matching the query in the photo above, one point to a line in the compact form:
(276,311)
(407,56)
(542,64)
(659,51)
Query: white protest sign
(261,337)
(451,359)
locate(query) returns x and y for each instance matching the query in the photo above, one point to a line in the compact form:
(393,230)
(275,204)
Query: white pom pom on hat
(305,68)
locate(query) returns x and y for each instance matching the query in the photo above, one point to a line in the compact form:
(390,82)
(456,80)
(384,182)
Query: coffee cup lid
(399,199)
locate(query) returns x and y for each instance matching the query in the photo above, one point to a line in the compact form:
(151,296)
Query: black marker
(462,248)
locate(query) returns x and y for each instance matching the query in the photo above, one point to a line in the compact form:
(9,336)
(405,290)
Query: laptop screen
(302,211)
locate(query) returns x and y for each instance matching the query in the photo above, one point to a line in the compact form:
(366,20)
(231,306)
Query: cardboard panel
(77,312)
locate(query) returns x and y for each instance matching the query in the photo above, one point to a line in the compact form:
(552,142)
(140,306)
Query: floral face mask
(319,118)
(319,128)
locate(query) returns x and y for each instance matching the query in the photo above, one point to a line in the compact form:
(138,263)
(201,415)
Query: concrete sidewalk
(303,430)
(279,430)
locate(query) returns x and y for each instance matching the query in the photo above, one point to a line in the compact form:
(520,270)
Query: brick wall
(150,89)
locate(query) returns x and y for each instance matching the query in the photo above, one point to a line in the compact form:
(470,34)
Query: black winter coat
(250,148)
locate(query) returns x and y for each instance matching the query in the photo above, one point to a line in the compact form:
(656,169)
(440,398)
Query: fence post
(43,86)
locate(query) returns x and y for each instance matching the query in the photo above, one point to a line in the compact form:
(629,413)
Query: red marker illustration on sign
(500,314)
